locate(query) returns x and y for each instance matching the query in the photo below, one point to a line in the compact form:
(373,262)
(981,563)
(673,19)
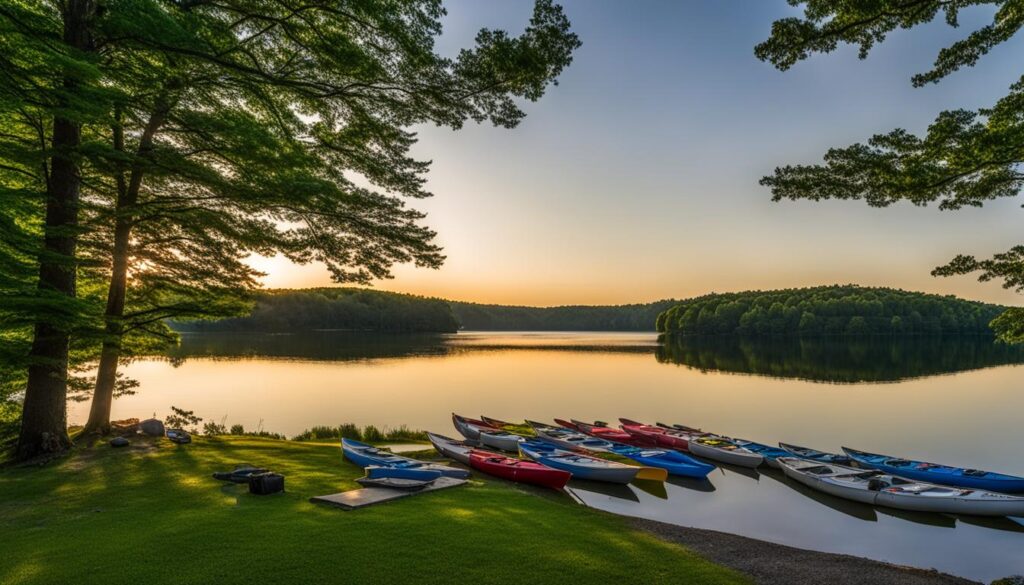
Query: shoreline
(768,562)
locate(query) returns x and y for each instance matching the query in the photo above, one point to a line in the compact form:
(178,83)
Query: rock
(152,427)
(1011,580)
(119,442)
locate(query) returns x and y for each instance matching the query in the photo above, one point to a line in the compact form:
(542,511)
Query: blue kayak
(769,453)
(674,462)
(365,455)
(579,465)
(942,474)
(815,455)
(375,472)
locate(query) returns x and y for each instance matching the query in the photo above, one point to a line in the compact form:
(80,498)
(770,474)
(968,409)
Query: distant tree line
(828,311)
(636,317)
(351,309)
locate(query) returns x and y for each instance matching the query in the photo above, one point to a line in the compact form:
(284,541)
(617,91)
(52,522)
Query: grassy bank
(152,514)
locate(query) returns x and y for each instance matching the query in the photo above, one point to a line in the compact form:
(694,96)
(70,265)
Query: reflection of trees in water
(312,345)
(840,360)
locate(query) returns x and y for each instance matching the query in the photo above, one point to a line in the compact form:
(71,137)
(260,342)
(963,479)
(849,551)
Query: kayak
(522,428)
(815,455)
(769,453)
(664,461)
(451,448)
(518,470)
(724,450)
(568,439)
(365,455)
(731,450)
(398,478)
(599,431)
(935,473)
(661,436)
(672,462)
(501,440)
(579,465)
(883,489)
(470,427)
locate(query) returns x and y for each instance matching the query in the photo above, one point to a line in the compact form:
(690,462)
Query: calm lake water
(951,401)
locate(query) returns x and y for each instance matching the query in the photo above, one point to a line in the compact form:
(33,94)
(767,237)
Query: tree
(273,127)
(966,158)
(49,92)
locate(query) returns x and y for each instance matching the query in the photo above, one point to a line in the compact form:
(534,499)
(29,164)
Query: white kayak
(450,448)
(724,450)
(501,440)
(882,489)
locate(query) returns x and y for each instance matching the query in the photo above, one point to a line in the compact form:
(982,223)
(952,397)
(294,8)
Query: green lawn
(152,514)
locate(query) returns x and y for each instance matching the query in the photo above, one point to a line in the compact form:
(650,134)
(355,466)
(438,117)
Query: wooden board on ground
(361,498)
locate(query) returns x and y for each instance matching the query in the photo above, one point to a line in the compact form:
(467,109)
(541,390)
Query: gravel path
(773,563)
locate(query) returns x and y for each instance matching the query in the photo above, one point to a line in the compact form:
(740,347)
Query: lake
(950,401)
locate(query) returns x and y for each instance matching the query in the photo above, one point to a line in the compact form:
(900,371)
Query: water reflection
(289,383)
(840,360)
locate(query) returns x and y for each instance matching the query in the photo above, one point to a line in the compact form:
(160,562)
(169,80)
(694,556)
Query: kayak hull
(739,457)
(468,427)
(365,455)
(940,474)
(450,448)
(897,493)
(518,471)
(673,462)
(500,440)
(580,466)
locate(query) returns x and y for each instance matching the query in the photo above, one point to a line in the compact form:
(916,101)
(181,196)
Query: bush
(237,430)
(182,419)
(349,431)
(372,434)
(404,433)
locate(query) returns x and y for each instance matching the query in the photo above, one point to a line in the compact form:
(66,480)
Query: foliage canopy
(966,158)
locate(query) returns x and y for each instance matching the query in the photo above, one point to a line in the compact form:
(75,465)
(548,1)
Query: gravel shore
(771,563)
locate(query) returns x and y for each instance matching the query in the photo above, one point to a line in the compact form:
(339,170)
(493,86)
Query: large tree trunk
(128,196)
(44,413)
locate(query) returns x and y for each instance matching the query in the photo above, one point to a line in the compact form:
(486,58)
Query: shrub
(237,430)
(372,434)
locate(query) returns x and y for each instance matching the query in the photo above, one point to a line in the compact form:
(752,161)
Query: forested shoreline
(837,310)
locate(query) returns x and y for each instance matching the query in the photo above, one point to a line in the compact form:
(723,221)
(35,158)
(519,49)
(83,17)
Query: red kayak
(671,438)
(518,470)
(601,432)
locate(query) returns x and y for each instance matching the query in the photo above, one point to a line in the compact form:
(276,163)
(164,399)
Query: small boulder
(119,442)
(152,427)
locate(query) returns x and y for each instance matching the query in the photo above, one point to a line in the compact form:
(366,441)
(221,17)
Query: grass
(152,514)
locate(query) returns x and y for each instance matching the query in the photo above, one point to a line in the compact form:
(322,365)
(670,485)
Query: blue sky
(636,177)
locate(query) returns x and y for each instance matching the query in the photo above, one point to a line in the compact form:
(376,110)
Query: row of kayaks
(549,455)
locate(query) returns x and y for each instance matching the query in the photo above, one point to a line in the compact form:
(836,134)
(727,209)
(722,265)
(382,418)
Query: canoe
(518,470)
(661,436)
(451,448)
(815,455)
(599,431)
(470,427)
(875,487)
(501,440)
(579,465)
(724,450)
(365,455)
(942,474)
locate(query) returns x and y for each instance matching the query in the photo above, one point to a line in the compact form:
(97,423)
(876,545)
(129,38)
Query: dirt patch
(773,563)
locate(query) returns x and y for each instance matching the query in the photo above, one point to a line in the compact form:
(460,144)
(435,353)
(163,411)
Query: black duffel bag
(262,484)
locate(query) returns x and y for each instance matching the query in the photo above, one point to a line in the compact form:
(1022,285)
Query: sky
(636,178)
